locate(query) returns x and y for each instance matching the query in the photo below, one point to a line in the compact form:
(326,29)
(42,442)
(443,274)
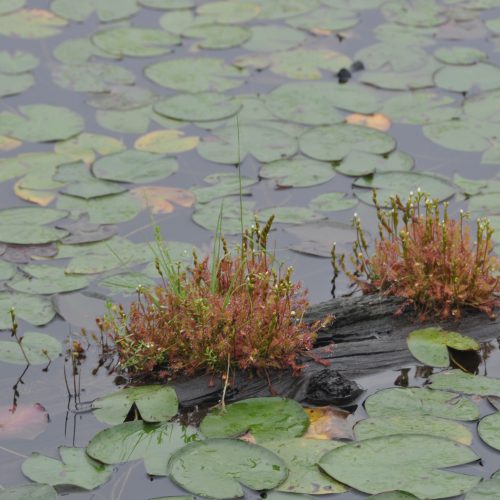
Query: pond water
(431,80)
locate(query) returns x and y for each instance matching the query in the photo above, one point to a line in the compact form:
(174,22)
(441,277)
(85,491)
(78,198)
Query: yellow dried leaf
(8,143)
(328,422)
(377,121)
(160,199)
(166,142)
(39,197)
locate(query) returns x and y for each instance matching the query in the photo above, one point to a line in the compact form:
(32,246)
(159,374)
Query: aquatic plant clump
(234,310)
(427,258)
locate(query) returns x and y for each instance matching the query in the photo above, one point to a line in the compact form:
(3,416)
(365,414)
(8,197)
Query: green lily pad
(231,144)
(76,51)
(282,9)
(167,4)
(29,234)
(486,490)
(273,37)
(217,468)
(155,443)
(126,283)
(29,492)
(134,166)
(411,424)
(216,36)
(155,403)
(425,13)
(379,467)
(123,98)
(333,202)
(489,430)
(75,469)
(169,142)
(227,12)
(417,401)
(458,381)
(335,142)
(7,270)
(205,106)
(31,24)
(30,215)
(394,495)
(430,345)
(297,172)
(223,184)
(85,146)
(459,55)
(290,215)
(264,418)
(31,308)
(359,163)
(196,74)
(136,42)
(17,62)
(15,84)
(41,123)
(301,457)
(112,10)
(39,348)
(7,6)
(413,36)
(480,76)
(391,57)
(325,20)
(494,25)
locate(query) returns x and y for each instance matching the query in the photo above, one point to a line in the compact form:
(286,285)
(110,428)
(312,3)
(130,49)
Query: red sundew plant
(427,258)
(230,311)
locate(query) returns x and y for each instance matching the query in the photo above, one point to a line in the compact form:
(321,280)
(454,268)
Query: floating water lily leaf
(23,421)
(22,254)
(155,403)
(290,215)
(29,492)
(85,146)
(127,283)
(489,430)
(196,74)
(76,468)
(7,6)
(359,163)
(333,202)
(411,424)
(380,468)
(31,24)
(324,21)
(278,495)
(297,172)
(273,37)
(231,145)
(486,490)
(7,270)
(301,457)
(166,142)
(430,345)
(155,443)
(480,76)
(392,58)
(39,348)
(417,401)
(494,25)
(77,51)
(132,121)
(328,422)
(29,234)
(8,144)
(223,184)
(204,106)
(82,231)
(133,41)
(459,55)
(123,98)
(216,467)
(46,279)
(215,36)
(112,10)
(282,9)
(419,13)
(264,418)
(167,4)
(412,36)
(394,495)
(335,142)
(31,308)
(458,381)
(30,215)
(134,166)
(15,84)
(161,199)
(41,123)
(315,103)
(226,12)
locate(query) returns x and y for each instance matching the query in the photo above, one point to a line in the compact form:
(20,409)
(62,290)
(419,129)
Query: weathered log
(367,337)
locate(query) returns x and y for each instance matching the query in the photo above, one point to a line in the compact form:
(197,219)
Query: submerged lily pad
(29,492)
(218,467)
(458,381)
(155,403)
(39,348)
(76,468)
(489,430)
(31,308)
(380,467)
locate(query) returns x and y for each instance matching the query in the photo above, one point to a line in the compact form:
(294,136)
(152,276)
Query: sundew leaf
(155,443)
(412,424)
(85,146)
(215,36)
(273,37)
(127,283)
(111,10)
(297,172)
(41,123)
(301,457)
(227,12)
(416,401)
(218,467)
(31,308)
(459,55)
(31,24)
(430,345)
(333,202)
(458,381)
(489,430)
(135,42)
(155,403)
(76,468)
(486,490)
(166,142)
(39,348)
(15,84)
(480,76)
(324,21)
(231,145)
(196,74)
(359,163)
(134,166)
(264,418)
(29,492)
(23,421)
(200,107)
(223,184)
(335,142)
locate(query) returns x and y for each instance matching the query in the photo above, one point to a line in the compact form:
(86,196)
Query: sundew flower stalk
(237,312)
(427,258)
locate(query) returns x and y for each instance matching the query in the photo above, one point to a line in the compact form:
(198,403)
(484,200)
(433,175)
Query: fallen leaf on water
(328,422)
(377,121)
(23,422)
(8,143)
(160,199)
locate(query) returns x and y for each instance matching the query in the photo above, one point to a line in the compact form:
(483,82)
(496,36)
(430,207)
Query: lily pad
(155,403)
(486,490)
(417,401)
(15,84)
(394,495)
(196,74)
(7,6)
(31,308)
(273,37)
(216,36)
(126,283)
(7,270)
(31,24)
(412,424)
(290,214)
(419,13)
(458,381)
(264,418)
(76,468)
(282,9)
(459,55)
(23,421)
(166,142)
(167,4)
(30,215)
(85,146)
(29,492)
(223,184)
(489,430)
(227,12)
(155,443)
(112,10)
(217,468)
(379,467)
(123,98)
(333,202)
(430,345)
(324,21)
(39,348)
(480,76)
(76,51)
(359,163)
(29,234)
